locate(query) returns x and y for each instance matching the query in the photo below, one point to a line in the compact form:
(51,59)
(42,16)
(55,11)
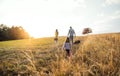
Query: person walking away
(56,36)
(67,48)
(71,34)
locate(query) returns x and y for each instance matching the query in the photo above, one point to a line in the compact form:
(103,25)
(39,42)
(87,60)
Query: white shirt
(67,46)
(71,32)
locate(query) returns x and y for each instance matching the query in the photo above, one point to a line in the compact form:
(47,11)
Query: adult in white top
(71,34)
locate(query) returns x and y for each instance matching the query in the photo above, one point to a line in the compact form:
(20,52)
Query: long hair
(67,40)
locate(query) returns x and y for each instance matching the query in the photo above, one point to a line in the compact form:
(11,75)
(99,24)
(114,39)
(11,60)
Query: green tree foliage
(12,33)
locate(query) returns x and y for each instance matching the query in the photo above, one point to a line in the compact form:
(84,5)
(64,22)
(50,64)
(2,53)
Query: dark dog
(77,42)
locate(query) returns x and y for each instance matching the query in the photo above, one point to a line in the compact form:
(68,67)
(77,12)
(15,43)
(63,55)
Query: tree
(4,32)
(13,33)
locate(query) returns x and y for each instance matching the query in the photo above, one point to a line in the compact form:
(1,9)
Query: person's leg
(68,54)
(71,39)
(56,40)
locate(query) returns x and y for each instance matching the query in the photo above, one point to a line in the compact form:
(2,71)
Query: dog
(77,42)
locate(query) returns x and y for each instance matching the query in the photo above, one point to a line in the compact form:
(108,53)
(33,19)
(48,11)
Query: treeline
(12,33)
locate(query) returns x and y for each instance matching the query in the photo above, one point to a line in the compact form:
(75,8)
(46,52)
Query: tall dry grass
(96,55)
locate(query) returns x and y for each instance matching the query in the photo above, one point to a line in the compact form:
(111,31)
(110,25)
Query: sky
(40,18)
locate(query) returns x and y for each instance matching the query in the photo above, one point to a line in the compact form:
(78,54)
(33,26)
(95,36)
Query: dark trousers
(68,52)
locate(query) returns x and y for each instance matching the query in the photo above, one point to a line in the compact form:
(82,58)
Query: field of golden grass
(96,55)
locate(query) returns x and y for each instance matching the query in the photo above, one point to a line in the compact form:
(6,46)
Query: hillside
(96,55)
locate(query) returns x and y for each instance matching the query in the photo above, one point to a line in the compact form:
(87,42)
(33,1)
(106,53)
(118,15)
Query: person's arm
(74,33)
(68,33)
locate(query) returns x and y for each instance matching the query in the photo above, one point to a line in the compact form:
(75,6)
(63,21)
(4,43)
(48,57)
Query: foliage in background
(12,33)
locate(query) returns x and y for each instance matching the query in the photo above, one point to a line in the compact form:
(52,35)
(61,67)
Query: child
(67,47)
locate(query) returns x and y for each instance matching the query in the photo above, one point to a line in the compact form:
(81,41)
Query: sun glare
(33,31)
